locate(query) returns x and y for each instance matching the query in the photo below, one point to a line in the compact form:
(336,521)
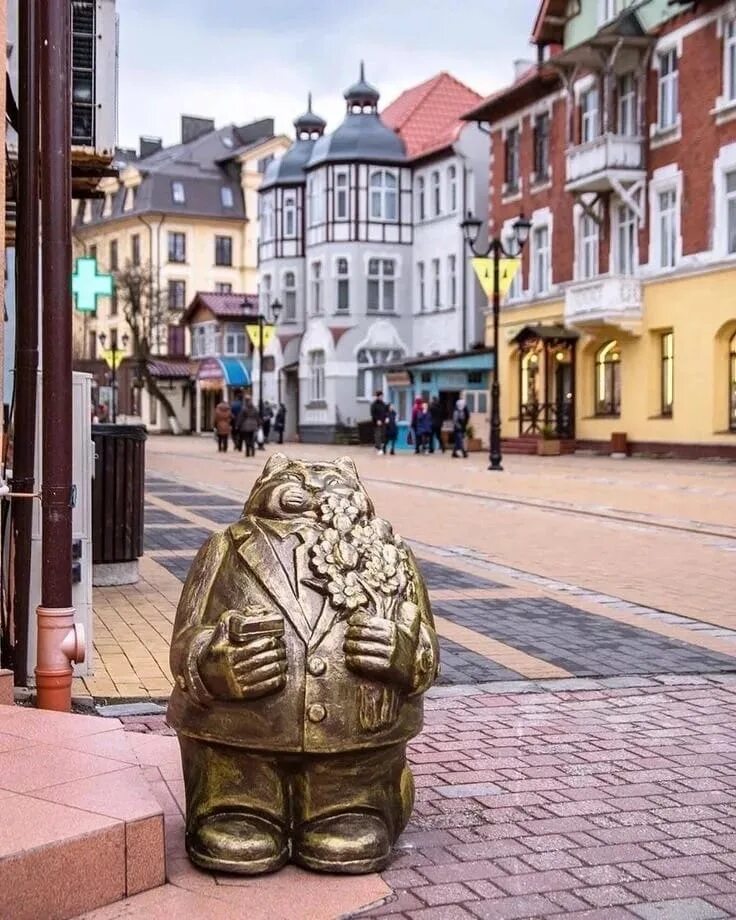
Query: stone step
(80,827)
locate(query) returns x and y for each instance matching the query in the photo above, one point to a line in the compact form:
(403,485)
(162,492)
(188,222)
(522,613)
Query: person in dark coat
(415,413)
(424,428)
(378,417)
(435,410)
(392,430)
(279,423)
(249,421)
(223,425)
(267,419)
(236,408)
(460,418)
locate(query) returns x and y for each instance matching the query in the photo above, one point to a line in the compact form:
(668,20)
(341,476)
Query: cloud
(239,61)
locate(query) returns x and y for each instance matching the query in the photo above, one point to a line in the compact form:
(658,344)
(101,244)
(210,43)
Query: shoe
(348,843)
(465,454)
(392,453)
(238,842)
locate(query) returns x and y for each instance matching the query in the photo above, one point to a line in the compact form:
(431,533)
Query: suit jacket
(319,710)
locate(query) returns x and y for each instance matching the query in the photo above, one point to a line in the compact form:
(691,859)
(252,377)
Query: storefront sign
(210,369)
(398,379)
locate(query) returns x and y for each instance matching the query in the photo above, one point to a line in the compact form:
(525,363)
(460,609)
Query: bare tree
(148,315)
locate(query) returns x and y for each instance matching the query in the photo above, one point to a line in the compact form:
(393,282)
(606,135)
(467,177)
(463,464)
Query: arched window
(732,384)
(608,380)
(384,195)
(288,292)
(371,365)
(421,201)
(436,194)
(452,189)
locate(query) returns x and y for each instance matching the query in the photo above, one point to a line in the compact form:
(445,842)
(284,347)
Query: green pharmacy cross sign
(88,285)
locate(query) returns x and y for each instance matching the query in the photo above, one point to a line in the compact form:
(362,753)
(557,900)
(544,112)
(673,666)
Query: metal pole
(495,454)
(53,681)
(114,352)
(260,365)
(26,343)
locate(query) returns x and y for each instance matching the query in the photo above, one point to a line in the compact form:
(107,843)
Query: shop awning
(231,372)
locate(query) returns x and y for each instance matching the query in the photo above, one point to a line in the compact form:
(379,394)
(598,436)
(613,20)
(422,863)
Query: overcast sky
(238,60)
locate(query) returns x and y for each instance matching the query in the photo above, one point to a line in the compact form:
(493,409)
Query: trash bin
(117,503)
(619,445)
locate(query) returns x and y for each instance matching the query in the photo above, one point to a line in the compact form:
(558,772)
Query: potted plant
(549,445)
(472,444)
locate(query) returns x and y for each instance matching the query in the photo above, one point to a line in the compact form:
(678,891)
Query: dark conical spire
(309,125)
(361,94)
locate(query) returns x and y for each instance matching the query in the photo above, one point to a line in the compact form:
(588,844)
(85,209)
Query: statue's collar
(278,527)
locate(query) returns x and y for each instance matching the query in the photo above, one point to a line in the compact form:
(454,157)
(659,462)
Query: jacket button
(316,712)
(316,666)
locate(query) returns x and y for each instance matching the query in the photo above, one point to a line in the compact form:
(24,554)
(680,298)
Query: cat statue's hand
(384,649)
(248,670)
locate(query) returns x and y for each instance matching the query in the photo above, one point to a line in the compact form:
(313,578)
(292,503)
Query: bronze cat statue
(302,646)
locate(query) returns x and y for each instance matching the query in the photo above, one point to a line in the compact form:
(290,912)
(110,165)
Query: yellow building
(190,212)
(620,146)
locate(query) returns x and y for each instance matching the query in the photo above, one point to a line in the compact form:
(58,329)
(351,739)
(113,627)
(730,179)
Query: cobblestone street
(577,757)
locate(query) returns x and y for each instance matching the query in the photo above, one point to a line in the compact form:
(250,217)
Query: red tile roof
(427,117)
(222,305)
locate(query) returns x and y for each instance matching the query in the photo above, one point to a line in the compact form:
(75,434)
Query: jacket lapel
(256,549)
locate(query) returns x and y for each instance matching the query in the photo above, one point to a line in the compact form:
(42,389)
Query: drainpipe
(463,262)
(26,342)
(60,640)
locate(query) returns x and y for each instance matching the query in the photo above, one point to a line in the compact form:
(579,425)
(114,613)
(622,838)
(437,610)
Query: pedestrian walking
(223,425)
(460,419)
(236,408)
(415,413)
(435,410)
(424,428)
(279,423)
(378,417)
(392,430)
(249,421)
(266,420)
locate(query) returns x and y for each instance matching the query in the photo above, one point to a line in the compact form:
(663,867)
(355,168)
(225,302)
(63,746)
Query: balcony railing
(609,300)
(594,161)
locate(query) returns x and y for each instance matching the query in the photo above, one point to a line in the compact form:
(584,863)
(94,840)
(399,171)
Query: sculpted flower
(342,511)
(345,555)
(346,591)
(322,559)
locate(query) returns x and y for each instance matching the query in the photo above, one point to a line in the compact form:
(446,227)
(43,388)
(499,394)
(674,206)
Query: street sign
(254,334)
(507,269)
(113,357)
(88,284)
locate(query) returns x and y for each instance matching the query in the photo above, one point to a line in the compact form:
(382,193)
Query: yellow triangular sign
(507,269)
(254,334)
(113,358)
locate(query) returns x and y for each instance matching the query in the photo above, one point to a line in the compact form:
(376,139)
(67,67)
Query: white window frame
(663,179)
(316,288)
(667,221)
(452,280)
(178,195)
(587,246)
(452,198)
(227,199)
(385,281)
(626,109)
(315,199)
(204,339)
(234,340)
(610,9)
(590,115)
(317,361)
(342,282)
(625,258)
(289,215)
(508,238)
(288,295)
(436,192)
(436,284)
(383,196)
(421,287)
(541,260)
(264,293)
(668,103)
(421,199)
(724,164)
(267,228)
(342,194)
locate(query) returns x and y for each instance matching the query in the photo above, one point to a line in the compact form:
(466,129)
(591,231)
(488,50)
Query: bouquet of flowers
(363,565)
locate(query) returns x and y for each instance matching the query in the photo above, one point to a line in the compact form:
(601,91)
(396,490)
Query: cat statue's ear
(275,463)
(347,466)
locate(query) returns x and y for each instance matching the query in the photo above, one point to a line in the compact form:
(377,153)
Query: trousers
(296,789)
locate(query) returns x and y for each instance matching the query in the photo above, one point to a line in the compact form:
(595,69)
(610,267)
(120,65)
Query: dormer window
(226,197)
(384,195)
(177,193)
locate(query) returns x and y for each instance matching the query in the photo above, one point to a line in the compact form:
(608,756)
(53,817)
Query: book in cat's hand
(242,627)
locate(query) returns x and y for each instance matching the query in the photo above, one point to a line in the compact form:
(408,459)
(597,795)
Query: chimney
(521,66)
(149,145)
(192,127)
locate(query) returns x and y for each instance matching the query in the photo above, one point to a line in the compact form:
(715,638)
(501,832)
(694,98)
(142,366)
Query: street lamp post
(471,230)
(114,352)
(263,321)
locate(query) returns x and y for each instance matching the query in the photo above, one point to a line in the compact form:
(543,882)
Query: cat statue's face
(288,489)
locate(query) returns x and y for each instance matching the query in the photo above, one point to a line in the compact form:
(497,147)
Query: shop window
(608,380)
